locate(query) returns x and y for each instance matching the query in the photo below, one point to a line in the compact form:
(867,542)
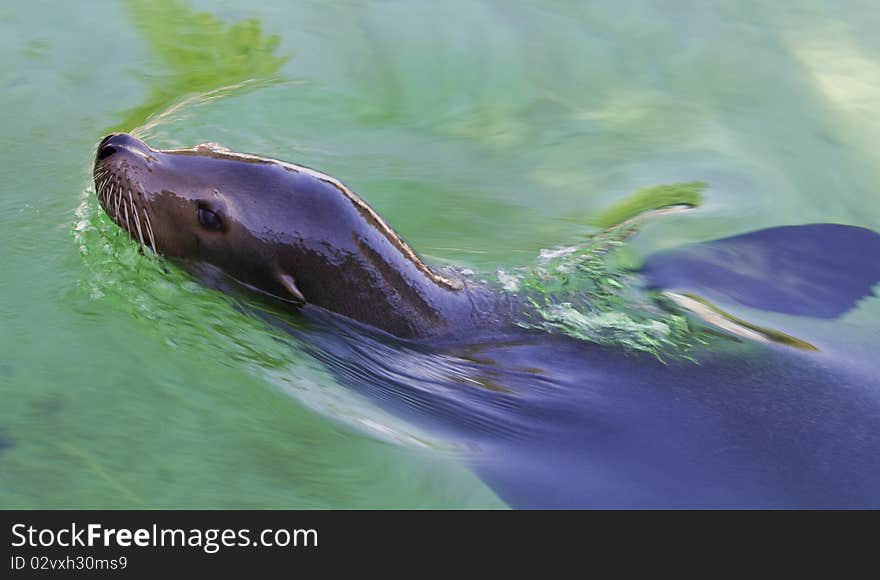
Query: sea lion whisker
(129,212)
(135,215)
(101,190)
(137,219)
(140,193)
(149,230)
(108,197)
(118,196)
(127,225)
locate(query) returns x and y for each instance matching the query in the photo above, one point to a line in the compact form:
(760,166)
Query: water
(485,133)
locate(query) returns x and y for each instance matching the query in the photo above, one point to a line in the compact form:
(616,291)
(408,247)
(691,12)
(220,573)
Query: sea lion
(304,237)
(286,230)
(560,423)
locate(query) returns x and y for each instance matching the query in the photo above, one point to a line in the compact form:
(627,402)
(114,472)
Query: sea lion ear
(290,285)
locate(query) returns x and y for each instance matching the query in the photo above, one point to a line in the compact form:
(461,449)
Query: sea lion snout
(119,160)
(115,142)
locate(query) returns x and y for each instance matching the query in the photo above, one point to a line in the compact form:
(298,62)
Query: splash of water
(590,292)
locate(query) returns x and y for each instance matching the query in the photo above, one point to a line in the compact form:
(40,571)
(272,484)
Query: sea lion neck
(348,260)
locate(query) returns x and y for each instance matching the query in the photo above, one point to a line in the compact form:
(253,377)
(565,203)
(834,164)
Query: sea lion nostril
(106,151)
(106,139)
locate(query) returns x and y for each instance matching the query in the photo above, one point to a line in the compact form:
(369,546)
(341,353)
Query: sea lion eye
(209,219)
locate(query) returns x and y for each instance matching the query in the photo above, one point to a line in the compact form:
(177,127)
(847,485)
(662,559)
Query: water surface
(485,133)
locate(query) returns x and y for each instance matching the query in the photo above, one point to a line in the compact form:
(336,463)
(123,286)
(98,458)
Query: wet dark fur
(279,221)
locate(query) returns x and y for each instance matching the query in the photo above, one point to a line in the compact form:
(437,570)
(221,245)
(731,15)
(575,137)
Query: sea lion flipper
(290,285)
(815,270)
(734,325)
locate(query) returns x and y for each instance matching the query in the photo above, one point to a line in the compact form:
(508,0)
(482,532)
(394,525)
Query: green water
(484,132)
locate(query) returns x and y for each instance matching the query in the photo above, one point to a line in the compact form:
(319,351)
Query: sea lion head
(284,229)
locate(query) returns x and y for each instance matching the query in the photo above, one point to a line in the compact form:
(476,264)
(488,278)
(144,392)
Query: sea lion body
(557,422)
(283,229)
